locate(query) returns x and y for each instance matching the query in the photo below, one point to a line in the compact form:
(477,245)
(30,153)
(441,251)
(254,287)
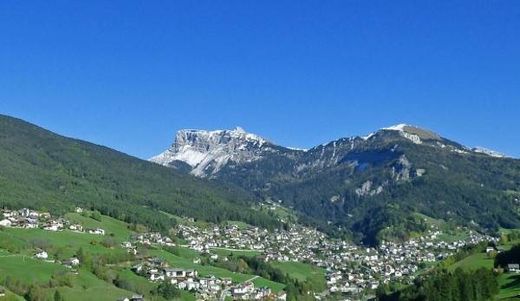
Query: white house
(76,227)
(97,231)
(513,268)
(156,277)
(6,223)
(53,227)
(72,262)
(42,255)
(192,285)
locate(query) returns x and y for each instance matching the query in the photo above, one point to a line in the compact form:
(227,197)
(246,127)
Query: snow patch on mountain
(489,152)
(402,129)
(207,152)
(398,127)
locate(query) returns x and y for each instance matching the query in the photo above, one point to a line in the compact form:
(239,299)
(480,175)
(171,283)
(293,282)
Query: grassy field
(113,226)
(88,287)
(65,242)
(10,296)
(304,272)
(205,270)
(22,244)
(509,283)
(509,286)
(279,212)
(227,252)
(474,262)
(240,225)
(27,269)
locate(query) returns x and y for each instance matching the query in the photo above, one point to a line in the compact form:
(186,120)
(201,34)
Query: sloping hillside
(40,169)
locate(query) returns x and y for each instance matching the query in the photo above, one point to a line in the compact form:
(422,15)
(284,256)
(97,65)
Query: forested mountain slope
(40,169)
(372,186)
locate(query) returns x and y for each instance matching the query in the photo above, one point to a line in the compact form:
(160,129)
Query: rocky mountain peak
(208,151)
(413,133)
(205,153)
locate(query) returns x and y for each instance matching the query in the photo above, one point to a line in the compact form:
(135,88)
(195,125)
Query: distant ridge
(370,186)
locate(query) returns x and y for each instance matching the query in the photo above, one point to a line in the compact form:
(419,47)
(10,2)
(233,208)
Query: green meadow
(18,246)
(304,272)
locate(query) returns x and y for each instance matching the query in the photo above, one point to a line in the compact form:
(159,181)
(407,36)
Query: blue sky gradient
(128,74)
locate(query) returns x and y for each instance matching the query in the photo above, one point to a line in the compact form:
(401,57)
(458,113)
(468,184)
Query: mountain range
(374,187)
(371,188)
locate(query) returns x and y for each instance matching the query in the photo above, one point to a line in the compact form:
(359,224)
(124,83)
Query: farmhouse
(41,255)
(5,223)
(513,268)
(97,231)
(71,262)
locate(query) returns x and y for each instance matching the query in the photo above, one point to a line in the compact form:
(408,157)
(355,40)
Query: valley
(88,255)
(241,218)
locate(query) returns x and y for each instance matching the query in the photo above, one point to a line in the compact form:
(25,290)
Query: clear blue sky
(128,74)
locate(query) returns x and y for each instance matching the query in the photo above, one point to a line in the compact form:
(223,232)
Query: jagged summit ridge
(488,152)
(208,151)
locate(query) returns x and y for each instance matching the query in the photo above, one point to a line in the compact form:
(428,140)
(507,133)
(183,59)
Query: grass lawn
(240,225)
(187,253)
(206,270)
(10,296)
(274,286)
(224,252)
(27,269)
(67,241)
(509,286)
(304,272)
(452,235)
(107,223)
(474,262)
(86,286)
(142,285)
(280,212)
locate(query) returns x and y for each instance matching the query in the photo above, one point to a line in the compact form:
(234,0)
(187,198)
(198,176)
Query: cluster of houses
(27,218)
(297,244)
(350,269)
(153,238)
(146,239)
(206,288)
(72,262)
(133,298)
(33,219)
(353,270)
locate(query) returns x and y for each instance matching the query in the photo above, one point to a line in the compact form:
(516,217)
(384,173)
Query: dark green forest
(441,285)
(45,171)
